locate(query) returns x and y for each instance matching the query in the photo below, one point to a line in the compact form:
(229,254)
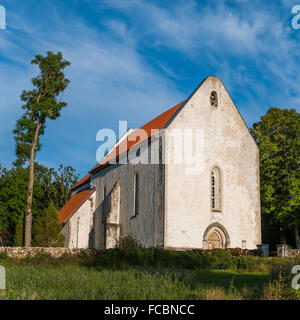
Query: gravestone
(264,249)
(2,278)
(284,250)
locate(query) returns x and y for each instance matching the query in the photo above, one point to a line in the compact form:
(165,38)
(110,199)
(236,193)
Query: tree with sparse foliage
(47,229)
(43,102)
(278,137)
(58,183)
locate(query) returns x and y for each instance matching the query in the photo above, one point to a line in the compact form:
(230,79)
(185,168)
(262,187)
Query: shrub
(19,234)
(47,229)
(244,252)
(3,255)
(132,255)
(128,242)
(219,259)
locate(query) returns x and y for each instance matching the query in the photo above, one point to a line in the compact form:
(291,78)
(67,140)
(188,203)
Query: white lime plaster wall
(77,230)
(229,146)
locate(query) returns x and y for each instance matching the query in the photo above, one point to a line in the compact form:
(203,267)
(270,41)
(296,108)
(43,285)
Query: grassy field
(92,277)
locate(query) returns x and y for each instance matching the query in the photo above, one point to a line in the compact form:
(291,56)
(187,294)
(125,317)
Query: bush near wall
(194,260)
(123,258)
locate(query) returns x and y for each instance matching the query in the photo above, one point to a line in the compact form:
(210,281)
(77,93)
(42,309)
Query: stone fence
(21,252)
(285,251)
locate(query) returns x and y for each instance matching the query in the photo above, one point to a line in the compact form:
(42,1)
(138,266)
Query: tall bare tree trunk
(297,237)
(28,217)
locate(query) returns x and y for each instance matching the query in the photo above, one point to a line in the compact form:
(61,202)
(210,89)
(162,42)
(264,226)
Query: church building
(187,179)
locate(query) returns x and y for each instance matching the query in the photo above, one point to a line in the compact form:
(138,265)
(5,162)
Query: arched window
(214,99)
(216,189)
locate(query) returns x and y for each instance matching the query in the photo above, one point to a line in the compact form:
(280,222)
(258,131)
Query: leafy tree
(19,234)
(2,171)
(13,195)
(3,223)
(47,229)
(41,103)
(57,185)
(278,137)
(65,178)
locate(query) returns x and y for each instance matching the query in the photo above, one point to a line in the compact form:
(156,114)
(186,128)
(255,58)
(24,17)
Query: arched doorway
(216,237)
(214,240)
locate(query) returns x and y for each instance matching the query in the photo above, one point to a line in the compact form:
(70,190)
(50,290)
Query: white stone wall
(113,218)
(77,230)
(227,145)
(147,226)
(175,203)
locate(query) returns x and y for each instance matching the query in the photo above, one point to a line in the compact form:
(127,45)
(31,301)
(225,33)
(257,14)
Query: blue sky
(133,59)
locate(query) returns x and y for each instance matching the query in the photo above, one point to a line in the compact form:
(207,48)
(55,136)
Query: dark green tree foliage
(2,205)
(278,137)
(41,103)
(13,196)
(57,185)
(19,234)
(48,188)
(47,229)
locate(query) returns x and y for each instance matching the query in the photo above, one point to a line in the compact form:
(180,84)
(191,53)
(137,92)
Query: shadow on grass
(198,281)
(224,279)
(231,284)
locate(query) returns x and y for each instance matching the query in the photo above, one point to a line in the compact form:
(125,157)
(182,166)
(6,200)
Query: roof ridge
(158,123)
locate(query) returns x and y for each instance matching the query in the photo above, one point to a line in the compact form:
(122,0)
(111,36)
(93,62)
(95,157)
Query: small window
(105,207)
(214,99)
(160,151)
(216,189)
(136,194)
(77,239)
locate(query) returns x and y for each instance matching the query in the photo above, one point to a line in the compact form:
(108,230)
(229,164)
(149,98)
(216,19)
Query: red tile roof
(75,203)
(82,181)
(134,138)
(138,136)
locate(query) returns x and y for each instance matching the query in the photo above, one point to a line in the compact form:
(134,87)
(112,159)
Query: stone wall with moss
(21,252)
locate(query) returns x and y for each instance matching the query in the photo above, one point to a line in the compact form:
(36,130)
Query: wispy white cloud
(227,37)
(144,56)
(110,80)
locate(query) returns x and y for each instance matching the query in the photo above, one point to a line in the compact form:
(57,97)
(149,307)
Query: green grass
(77,282)
(144,274)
